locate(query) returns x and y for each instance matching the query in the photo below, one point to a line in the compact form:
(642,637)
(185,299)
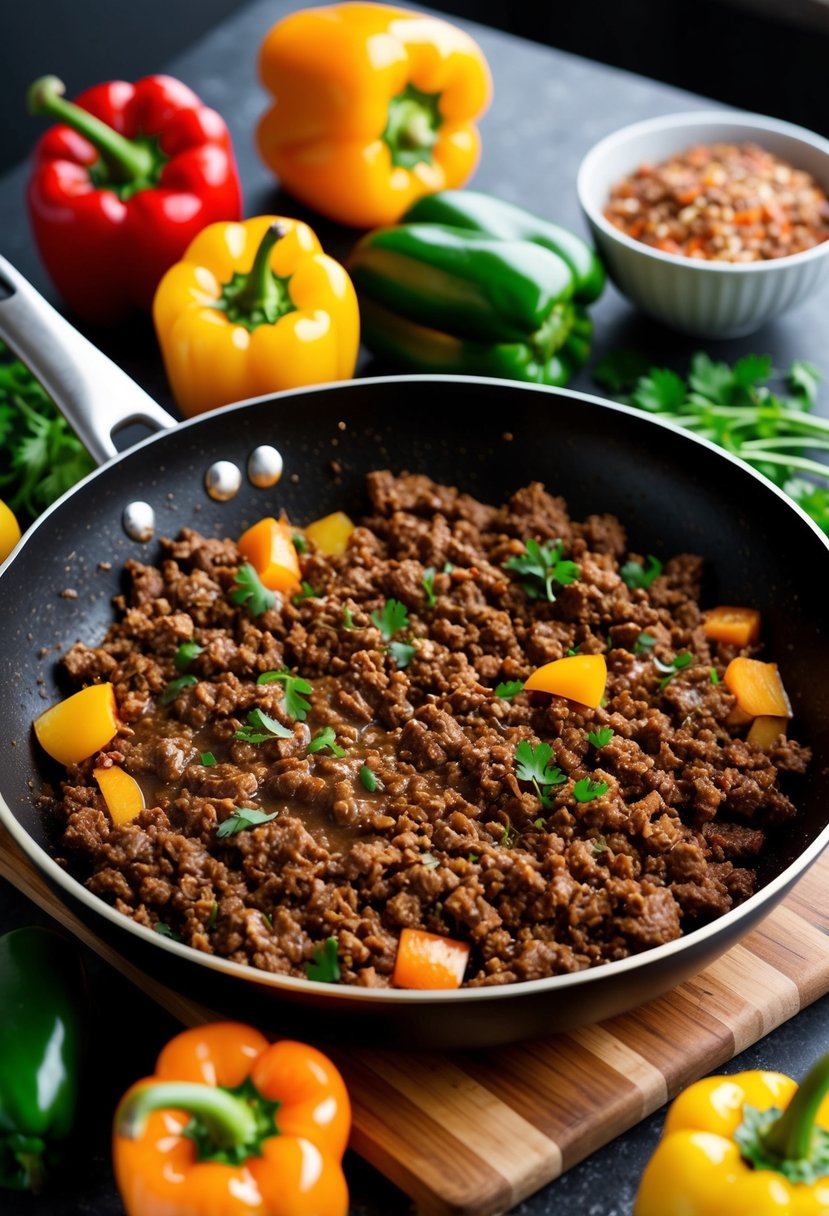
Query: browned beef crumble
(452,841)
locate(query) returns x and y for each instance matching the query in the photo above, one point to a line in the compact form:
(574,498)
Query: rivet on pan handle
(91,391)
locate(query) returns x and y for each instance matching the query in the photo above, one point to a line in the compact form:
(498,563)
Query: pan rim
(769,894)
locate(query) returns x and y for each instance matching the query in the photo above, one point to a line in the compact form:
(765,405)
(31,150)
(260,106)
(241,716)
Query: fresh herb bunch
(749,409)
(40,457)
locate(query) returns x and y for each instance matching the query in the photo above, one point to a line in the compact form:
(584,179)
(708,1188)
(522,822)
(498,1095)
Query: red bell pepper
(122,185)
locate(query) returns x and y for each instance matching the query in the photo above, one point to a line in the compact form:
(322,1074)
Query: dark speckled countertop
(549,108)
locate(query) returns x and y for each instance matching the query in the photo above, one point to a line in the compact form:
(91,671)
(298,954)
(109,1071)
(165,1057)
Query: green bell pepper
(455,299)
(42,997)
(495,217)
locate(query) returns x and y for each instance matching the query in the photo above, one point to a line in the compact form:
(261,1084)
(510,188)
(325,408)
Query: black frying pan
(674,493)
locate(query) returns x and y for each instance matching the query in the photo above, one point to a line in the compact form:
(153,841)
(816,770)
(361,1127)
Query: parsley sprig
(248,589)
(756,413)
(391,619)
(601,737)
(532,763)
(261,728)
(542,566)
(587,789)
(40,458)
(243,818)
(296,690)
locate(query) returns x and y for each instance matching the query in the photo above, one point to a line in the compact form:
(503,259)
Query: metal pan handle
(91,391)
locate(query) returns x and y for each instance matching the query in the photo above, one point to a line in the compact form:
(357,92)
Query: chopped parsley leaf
(299,542)
(296,689)
(540,823)
(174,688)
(600,738)
(370,780)
(186,654)
(214,915)
(249,589)
(600,846)
(644,643)
(428,584)
(402,653)
(207,759)
(261,728)
(533,764)
(509,689)
(586,789)
(448,567)
(325,739)
(307,593)
(165,931)
(714,675)
(324,966)
(542,566)
(243,818)
(676,665)
(348,619)
(390,619)
(636,575)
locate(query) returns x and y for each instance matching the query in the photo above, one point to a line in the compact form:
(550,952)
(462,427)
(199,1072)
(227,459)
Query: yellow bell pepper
(752,1143)
(251,309)
(374,107)
(9,531)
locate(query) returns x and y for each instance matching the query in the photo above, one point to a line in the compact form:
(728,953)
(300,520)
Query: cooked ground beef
(451,840)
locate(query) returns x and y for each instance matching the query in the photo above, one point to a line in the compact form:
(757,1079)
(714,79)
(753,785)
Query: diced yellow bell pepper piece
(758,688)
(79,726)
(578,677)
(122,793)
(330,534)
(9,531)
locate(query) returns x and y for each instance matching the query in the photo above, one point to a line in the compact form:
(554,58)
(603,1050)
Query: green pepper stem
(126,161)
(790,1136)
(228,1121)
(261,287)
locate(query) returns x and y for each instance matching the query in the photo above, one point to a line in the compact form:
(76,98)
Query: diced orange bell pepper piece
(734,626)
(578,677)
(79,726)
(330,534)
(428,960)
(758,688)
(766,730)
(270,549)
(122,793)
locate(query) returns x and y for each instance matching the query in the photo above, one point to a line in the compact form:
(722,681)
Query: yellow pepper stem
(259,297)
(792,1135)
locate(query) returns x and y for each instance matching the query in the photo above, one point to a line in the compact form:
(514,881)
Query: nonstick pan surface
(673,493)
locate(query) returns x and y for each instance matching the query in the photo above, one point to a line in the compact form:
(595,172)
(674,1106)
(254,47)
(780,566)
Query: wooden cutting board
(475,1133)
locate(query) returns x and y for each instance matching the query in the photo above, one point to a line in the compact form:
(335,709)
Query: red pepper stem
(126,161)
(229,1121)
(790,1136)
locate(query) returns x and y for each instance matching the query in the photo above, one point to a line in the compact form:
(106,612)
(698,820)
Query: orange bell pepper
(268,546)
(578,677)
(232,1125)
(254,308)
(429,960)
(374,107)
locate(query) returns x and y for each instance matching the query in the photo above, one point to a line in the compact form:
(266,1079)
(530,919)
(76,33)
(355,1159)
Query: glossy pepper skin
(120,187)
(254,308)
(232,1125)
(448,299)
(42,998)
(752,1143)
(374,106)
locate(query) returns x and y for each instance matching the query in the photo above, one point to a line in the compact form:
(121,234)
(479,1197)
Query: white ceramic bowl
(707,299)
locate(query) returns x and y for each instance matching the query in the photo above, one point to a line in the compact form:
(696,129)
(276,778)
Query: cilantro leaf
(509,689)
(325,739)
(636,575)
(428,585)
(803,378)
(187,653)
(587,789)
(541,567)
(207,759)
(600,738)
(165,931)
(248,589)
(663,391)
(402,653)
(644,643)
(348,619)
(620,370)
(307,593)
(296,690)
(324,967)
(533,764)
(391,619)
(174,688)
(262,728)
(676,665)
(243,818)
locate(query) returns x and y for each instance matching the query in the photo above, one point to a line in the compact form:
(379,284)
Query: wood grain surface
(476,1132)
